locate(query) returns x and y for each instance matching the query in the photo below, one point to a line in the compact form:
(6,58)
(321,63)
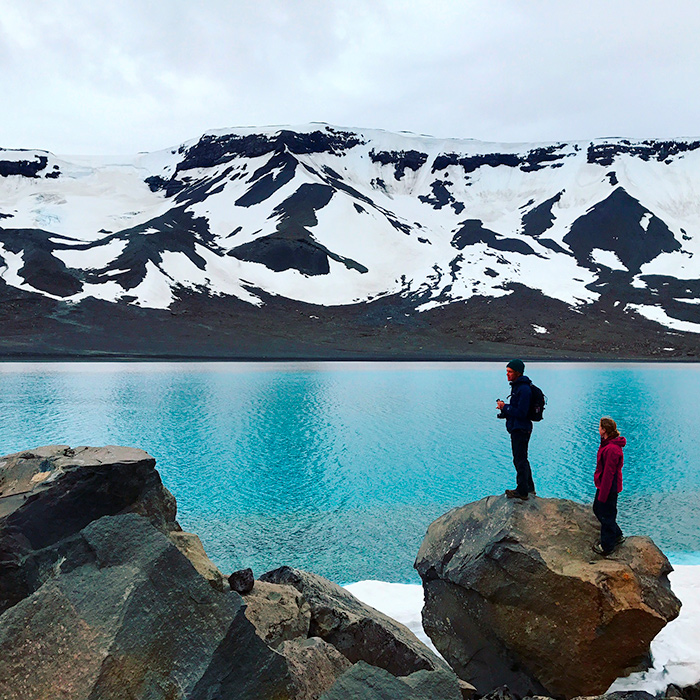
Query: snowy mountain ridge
(334,217)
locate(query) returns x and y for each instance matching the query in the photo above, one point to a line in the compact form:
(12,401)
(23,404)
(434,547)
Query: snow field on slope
(93,258)
(81,202)
(656,313)
(222,275)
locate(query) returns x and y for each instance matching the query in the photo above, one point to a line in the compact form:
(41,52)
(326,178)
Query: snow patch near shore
(401,601)
(676,649)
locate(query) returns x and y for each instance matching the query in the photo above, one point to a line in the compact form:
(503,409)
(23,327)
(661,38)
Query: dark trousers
(607,515)
(519,440)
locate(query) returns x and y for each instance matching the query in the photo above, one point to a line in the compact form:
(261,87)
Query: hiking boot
(532,493)
(599,550)
(620,540)
(514,493)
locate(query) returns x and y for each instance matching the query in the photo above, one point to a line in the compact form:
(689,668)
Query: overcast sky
(121,76)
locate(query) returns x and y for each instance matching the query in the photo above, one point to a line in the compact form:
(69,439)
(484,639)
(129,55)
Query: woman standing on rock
(608,481)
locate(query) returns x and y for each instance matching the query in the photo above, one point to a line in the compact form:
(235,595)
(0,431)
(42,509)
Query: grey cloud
(94,77)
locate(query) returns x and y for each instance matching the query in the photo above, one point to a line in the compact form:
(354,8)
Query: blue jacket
(517,409)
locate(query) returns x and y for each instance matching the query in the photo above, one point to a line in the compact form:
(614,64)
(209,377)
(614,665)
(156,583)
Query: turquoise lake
(339,468)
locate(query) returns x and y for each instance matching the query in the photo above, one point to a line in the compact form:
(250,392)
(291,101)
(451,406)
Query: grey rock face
(125,614)
(514,596)
(278,612)
(50,493)
(191,546)
(435,684)
(314,665)
(357,630)
(365,682)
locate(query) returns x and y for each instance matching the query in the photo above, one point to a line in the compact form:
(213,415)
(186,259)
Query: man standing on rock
(519,426)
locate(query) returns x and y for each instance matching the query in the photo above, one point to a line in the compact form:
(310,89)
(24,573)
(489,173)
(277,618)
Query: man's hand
(500,404)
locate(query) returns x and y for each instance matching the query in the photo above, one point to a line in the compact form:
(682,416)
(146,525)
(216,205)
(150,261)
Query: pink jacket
(608,466)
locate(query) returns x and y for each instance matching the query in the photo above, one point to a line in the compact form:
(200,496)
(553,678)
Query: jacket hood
(619,440)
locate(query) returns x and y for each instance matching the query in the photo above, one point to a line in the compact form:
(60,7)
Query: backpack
(537,403)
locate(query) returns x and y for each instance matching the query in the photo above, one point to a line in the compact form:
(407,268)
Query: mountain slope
(345,225)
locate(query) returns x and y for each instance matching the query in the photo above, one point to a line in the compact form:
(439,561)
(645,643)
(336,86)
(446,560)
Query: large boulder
(515,596)
(71,487)
(126,615)
(357,630)
(49,494)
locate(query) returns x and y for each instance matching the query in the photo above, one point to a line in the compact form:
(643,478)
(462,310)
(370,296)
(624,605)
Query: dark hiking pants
(519,440)
(607,515)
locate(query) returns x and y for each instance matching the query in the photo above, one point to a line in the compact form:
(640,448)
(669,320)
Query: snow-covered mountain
(348,220)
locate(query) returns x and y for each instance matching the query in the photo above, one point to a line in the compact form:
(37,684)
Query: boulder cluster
(103,596)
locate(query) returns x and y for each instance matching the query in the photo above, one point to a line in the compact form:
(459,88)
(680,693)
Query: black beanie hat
(517,366)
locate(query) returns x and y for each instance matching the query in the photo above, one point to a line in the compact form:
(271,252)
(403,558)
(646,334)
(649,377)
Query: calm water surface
(340,468)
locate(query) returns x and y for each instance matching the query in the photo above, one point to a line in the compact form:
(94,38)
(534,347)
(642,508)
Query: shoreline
(38,359)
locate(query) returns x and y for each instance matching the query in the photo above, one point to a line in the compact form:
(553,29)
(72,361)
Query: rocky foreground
(103,596)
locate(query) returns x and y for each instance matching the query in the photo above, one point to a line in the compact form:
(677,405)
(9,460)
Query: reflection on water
(339,468)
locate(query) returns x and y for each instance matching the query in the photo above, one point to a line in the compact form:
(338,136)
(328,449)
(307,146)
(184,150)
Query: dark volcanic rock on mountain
(293,246)
(615,224)
(26,168)
(515,596)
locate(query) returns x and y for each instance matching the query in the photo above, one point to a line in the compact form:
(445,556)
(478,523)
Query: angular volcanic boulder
(358,631)
(126,615)
(515,596)
(278,612)
(49,494)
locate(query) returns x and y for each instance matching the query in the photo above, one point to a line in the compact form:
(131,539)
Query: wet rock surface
(515,596)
